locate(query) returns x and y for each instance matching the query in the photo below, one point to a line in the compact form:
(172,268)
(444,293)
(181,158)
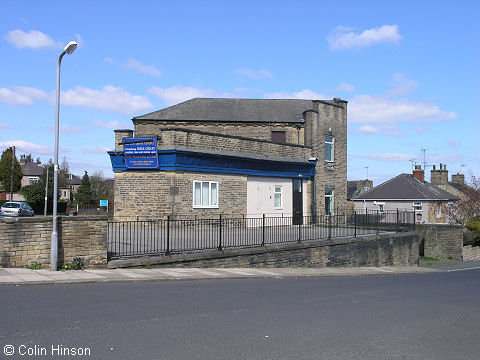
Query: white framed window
(328,202)
(417,205)
(381,207)
(64,194)
(33,180)
(205,194)
(277,197)
(329,148)
(439,210)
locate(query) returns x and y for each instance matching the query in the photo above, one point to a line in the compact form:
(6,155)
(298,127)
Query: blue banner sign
(103,202)
(140,153)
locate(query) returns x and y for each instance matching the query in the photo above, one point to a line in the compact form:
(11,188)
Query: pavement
(22,276)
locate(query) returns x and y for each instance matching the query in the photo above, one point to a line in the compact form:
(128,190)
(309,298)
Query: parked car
(16,209)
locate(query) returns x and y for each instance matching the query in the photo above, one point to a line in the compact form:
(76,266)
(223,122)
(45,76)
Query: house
(457,184)
(31,171)
(210,156)
(73,182)
(358,187)
(408,192)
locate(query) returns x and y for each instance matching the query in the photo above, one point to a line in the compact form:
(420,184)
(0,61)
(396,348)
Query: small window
(329,148)
(328,202)
(278,137)
(417,206)
(33,180)
(439,210)
(381,208)
(205,194)
(277,201)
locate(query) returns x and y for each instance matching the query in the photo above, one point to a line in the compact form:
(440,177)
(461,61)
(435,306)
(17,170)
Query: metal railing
(175,236)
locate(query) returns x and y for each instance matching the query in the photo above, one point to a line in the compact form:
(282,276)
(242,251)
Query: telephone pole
(11,177)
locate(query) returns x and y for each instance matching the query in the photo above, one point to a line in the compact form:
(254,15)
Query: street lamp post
(69,48)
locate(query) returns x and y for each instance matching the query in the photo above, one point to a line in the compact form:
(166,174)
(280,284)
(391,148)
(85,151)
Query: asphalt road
(420,316)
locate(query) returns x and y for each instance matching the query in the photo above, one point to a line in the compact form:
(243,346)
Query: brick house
(408,192)
(236,156)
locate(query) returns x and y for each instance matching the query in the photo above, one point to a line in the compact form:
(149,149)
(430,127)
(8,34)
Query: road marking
(472,268)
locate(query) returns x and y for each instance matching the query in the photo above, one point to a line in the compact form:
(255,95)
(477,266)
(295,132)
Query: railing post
(329,226)
(300,231)
(263,230)
(377,221)
(355,222)
(414,220)
(220,235)
(398,220)
(167,252)
(366,217)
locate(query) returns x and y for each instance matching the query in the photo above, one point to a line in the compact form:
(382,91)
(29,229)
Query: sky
(408,69)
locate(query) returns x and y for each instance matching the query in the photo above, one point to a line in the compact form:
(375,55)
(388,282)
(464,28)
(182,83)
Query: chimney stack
(23,160)
(418,173)
(458,178)
(439,177)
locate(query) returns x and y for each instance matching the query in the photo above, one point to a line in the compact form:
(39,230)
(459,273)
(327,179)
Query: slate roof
(406,187)
(32,169)
(75,180)
(234,110)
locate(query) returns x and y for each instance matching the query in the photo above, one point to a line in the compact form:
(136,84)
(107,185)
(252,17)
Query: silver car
(16,209)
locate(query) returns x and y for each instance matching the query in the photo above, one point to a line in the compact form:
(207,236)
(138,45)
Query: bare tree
(468,206)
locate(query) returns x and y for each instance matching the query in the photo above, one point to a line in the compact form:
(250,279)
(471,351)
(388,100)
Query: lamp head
(70,47)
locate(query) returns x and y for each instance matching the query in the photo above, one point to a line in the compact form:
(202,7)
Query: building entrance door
(297,202)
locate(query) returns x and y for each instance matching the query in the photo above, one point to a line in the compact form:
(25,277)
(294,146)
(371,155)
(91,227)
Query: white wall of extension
(261,197)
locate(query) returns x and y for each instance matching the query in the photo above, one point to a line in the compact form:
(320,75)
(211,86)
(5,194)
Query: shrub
(473,224)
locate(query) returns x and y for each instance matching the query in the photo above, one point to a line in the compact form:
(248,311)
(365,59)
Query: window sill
(205,207)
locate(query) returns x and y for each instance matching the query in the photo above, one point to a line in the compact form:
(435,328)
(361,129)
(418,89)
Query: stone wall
(444,241)
(203,140)
(157,194)
(25,241)
(392,249)
(330,120)
(258,131)
(471,253)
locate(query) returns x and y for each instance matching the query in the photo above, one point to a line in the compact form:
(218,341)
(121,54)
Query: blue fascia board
(216,163)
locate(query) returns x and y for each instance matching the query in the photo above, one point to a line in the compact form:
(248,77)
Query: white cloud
(33,39)
(401,85)
(345,87)
(254,74)
(387,157)
(345,38)
(110,124)
(97,150)
(141,68)
(8,96)
(27,147)
(303,94)
(4,126)
(176,94)
(79,40)
(387,129)
(109,98)
(370,109)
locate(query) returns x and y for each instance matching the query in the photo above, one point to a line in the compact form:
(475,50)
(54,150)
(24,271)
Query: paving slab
(21,276)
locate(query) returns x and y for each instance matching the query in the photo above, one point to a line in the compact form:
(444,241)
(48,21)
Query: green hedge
(39,206)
